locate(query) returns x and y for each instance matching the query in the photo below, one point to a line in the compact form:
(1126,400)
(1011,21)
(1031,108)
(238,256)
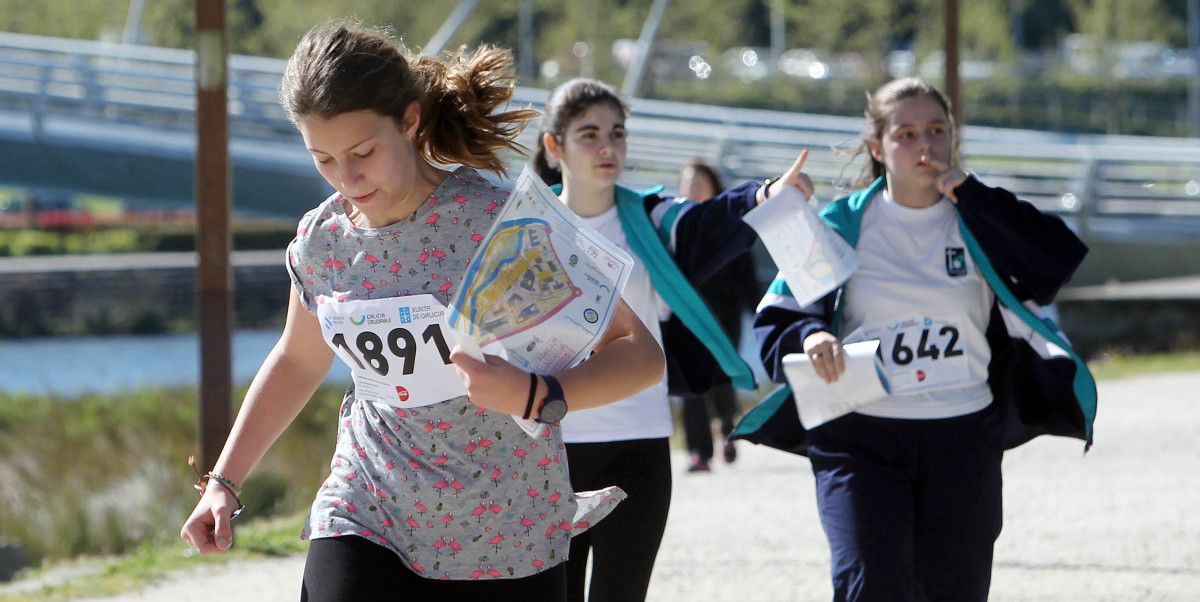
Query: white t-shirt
(646,415)
(918,291)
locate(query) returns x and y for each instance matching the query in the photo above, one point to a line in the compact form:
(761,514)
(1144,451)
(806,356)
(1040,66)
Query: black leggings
(697,431)
(350,568)
(625,543)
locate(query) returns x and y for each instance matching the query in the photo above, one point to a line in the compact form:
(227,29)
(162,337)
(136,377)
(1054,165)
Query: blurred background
(1088,108)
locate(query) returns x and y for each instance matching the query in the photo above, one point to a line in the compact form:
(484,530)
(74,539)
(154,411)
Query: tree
(1043,23)
(1123,21)
(86,20)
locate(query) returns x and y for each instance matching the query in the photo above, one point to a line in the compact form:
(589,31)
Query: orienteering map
(519,282)
(542,287)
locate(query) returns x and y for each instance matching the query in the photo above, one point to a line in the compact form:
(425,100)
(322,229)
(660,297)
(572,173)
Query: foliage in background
(101,474)
(1124,21)
(17,243)
(578,37)
(271,28)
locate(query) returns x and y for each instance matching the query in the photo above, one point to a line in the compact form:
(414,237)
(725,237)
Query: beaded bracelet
(227,484)
(202,484)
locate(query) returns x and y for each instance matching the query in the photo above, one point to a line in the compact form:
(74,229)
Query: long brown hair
(568,101)
(338,68)
(878,105)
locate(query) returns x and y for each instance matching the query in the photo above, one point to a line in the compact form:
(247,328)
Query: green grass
(1111,366)
(173,236)
(101,475)
(151,562)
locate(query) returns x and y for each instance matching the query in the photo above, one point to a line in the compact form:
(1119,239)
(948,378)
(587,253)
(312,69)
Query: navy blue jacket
(702,237)
(1039,384)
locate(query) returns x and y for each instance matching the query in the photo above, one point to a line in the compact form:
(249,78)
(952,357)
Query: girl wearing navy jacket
(951,280)
(675,243)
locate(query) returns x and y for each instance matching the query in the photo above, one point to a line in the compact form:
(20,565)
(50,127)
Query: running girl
(428,496)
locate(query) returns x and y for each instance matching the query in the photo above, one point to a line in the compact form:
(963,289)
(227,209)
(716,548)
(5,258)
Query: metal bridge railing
(1087,178)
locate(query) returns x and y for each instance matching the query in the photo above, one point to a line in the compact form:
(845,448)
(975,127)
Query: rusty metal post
(214,282)
(951,54)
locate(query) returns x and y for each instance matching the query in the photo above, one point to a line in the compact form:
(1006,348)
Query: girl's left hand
(948,178)
(494,384)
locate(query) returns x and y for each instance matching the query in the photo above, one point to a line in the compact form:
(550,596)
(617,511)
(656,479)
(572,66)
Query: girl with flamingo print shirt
(434,491)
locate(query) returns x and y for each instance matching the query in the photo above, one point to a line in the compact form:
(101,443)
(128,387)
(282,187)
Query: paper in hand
(812,258)
(819,402)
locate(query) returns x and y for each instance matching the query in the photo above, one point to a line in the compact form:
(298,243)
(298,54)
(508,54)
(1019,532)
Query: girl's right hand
(209,529)
(949,177)
(825,352)
(494,383)
(794,176)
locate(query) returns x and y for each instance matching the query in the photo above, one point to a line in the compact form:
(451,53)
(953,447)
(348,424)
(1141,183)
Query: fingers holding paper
(493,383)
(825,352)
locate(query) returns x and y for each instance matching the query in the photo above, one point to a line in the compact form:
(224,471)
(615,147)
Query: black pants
(911,508)
(624,544)
(696,430)
(350,568)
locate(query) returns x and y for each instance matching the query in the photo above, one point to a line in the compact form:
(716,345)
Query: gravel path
(1119,524)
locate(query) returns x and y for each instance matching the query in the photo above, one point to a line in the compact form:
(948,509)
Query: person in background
(952,278)
(731,293)
(430,495)
(676,244)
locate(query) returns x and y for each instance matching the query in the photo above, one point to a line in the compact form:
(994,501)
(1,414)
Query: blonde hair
(339,68)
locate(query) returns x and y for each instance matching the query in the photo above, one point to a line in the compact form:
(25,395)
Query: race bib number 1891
(398,349)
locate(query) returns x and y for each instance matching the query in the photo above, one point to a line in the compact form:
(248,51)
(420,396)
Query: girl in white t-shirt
(678,243)
(950,274)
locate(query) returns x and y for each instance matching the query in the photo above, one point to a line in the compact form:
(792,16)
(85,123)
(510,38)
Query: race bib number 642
(398,349)
(921,353)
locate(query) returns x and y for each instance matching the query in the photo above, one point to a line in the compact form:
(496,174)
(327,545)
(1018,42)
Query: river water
(109,364)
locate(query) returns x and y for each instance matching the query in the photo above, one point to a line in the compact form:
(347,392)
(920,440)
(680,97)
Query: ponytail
(457,120)
(546,170)
(339,68)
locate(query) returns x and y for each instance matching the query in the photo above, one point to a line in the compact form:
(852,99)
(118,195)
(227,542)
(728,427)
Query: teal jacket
(1040,385)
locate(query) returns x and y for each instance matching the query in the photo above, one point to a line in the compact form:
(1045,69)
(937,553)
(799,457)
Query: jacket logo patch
(956,262)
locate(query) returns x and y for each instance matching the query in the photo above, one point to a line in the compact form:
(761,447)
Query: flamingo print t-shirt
(457,491)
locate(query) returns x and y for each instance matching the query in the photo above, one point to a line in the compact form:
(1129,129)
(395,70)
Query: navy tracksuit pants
(911,508)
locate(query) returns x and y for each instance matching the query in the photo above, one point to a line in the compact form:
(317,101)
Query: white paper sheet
(812,258)
(819,402)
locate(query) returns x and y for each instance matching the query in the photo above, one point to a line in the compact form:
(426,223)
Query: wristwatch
(554,406)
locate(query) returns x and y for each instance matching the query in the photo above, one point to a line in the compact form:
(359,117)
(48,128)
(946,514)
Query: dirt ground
(1119,524)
